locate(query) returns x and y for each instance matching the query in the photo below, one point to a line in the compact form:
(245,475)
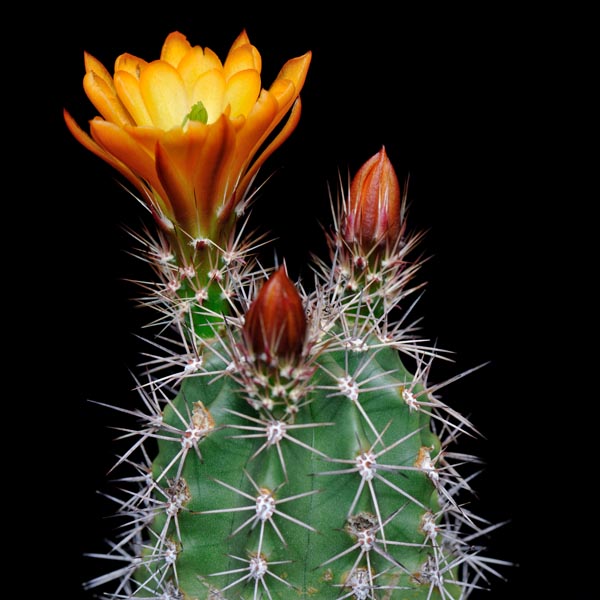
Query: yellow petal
(130,63)
(196,63)
(296,69)
(104,98)
(241,58)
(242,92)
(284,91)
(175,48)
(128,88)
(241,40)
(210,90)
(93,65)
(259,123)
(164,95)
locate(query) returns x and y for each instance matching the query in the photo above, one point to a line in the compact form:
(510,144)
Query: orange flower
(275,324)
(375,205)
(189,131)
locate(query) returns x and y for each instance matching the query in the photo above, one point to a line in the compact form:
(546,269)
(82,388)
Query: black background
(460,100)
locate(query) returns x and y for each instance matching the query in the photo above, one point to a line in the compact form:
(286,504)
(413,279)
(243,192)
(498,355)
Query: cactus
(288,442)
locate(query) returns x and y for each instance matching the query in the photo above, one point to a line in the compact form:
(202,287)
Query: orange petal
(215,179)
(164,95)
(242,92)
(193,168)
(210,89)
(252,133)
(120,144)
(241,40)
(283,135)
(296,70)
(175,48)
(128,88)
(174,163)
(87,142)
(146,137)
(94,65)
(285,92)
(240,59)
(125,148)
(104,98)
(130,63)
(256,127)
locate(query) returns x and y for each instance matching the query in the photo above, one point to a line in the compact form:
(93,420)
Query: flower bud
(275,324)
(374,211)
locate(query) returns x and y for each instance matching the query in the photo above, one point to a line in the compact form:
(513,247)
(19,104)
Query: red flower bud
(275,325)
(375,204)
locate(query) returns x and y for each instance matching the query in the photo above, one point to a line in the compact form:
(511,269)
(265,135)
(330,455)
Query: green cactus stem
(323,470)
(307,495)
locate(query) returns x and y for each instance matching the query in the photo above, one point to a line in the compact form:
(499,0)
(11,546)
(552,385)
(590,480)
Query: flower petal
(164,95)
(147,137)
(243,40)
(118,142)
(175,48)
(210,90)
(128,88)
(83,138)
(104,98)
(240,59)
(294,70)
(242,92)
(215,180)
(284,91)
(93,65)
(256,127)
(130,63)
(175,161)
(197,62)
(284,134)
(193,167)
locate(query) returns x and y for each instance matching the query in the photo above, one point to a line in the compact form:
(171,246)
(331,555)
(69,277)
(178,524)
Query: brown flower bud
(275,324)
(375,204)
